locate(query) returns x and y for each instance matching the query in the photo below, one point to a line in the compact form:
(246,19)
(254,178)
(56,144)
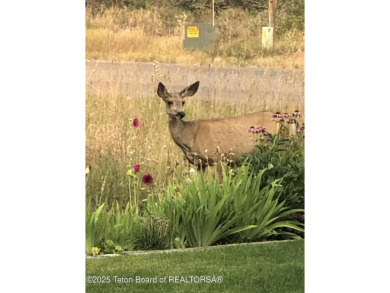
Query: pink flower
(136,122)
(296,113)
(136,169)
(292,121)
(277,115)
(147,179)
(257,129)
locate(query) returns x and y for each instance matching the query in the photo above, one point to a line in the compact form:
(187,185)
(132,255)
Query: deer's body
(209,141)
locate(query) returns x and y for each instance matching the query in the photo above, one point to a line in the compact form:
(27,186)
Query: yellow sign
(192,32)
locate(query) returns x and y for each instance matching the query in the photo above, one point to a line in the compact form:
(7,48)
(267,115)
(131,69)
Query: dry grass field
(148,35)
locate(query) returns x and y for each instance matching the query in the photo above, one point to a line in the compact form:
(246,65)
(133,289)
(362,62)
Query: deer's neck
(177,128)
(183,134)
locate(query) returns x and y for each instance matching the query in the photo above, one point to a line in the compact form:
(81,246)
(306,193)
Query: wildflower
(192,171)
(136,122)
(296,113)
(292,121)
(267,138)
(281,119)
(301,129)
(87,169)
(136,169)
(188,180)
(277,115)
(285,115)
(257,129)
(147,179)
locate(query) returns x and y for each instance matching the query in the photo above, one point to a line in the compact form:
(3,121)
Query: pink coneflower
(285,115)
(257,129)
(277,115)
(136,168)
(296,113)
(136,122)
(147,179)
(267,138)
(292,121)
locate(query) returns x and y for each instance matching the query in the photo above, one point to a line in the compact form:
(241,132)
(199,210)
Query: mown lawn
(258,267)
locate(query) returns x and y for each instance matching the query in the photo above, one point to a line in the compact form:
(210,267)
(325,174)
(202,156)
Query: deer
(207,142)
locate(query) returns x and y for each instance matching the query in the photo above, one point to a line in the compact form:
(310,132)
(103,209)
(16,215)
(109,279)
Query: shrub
(290,16)
(282,158)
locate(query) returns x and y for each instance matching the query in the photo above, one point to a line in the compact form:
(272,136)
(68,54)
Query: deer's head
(175,102)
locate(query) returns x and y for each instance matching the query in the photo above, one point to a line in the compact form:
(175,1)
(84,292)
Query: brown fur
(210,141)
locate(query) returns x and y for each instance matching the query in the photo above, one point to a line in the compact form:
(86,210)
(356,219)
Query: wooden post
(213,13)
(272,4)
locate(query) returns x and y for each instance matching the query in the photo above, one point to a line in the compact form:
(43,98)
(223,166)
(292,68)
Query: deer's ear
(191,90)
(162,91)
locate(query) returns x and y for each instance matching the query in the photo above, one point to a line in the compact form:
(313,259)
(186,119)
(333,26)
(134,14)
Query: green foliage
(109,246)
(203,213)
(290,16)
(196,7)
(244,207)
(167,206)
(283,159)
(133,4)
(95,250)
(261,206)
(112,230)
(153,234)
(95,225)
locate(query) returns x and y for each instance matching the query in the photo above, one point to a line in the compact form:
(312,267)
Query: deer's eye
(170,103)
(183,103)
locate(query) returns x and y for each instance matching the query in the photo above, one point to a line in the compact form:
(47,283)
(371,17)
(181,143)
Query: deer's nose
(181,114)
